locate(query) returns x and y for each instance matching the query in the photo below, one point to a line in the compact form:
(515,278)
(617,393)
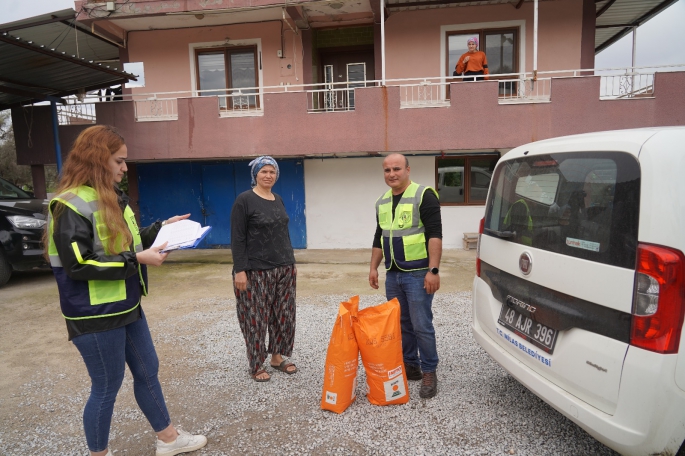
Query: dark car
(22,219)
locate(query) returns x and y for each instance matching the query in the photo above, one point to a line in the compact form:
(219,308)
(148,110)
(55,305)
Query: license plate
(527,328)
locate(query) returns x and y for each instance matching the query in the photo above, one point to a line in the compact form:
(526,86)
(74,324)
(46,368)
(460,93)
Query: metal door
(208,190)
(218,196)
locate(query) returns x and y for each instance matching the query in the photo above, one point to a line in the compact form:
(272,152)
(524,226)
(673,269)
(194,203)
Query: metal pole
(55,134)
(632,70)
(383,42)
(535,41)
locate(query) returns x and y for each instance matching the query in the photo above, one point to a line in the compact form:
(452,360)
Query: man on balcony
(409,238)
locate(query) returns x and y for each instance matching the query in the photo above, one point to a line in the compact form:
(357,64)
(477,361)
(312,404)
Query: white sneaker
(184,443)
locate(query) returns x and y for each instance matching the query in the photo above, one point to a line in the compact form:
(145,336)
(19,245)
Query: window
(464,180)
(500,47)
(232,68)
(580,204)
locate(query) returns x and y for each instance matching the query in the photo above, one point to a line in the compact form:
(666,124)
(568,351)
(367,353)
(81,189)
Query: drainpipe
(383,42)
(535,42)
(55,134)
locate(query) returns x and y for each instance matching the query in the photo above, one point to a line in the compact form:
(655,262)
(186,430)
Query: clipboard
(181,235)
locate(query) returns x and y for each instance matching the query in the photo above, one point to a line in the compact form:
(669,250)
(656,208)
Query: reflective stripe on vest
(403,235)
(83,201)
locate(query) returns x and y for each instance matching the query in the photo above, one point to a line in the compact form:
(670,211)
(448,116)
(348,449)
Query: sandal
(283,367)
(256,378)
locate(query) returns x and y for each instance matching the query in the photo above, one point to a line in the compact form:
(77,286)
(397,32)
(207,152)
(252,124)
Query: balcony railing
(240,102)
(154,109)
(629,85)
(425,93)
(76,112)
(516,88)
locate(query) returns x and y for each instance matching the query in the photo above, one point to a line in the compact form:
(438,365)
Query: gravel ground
(479,409)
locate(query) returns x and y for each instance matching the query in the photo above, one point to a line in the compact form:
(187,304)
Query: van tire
(5,269)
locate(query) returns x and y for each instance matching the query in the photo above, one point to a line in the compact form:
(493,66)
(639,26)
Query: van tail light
(480,233)
(659,299)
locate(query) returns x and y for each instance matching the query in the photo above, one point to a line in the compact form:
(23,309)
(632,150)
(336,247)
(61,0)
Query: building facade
(331,87)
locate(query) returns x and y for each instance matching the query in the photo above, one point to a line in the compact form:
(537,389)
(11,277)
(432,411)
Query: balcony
(340,97)
(431,114)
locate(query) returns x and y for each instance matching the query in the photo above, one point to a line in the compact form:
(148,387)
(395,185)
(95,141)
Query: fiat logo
(525,263)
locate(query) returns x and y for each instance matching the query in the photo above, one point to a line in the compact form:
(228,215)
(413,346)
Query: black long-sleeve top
(71,227)
(429,211)
(259,233)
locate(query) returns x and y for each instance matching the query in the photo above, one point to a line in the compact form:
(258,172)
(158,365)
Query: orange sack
(379,337)
(342,360)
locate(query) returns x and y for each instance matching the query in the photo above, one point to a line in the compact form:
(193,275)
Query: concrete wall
(169,61)
(341,194)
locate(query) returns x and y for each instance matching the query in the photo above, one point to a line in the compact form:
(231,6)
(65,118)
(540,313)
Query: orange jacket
(477,62)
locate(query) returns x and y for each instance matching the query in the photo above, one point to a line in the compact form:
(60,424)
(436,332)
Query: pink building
(330,87)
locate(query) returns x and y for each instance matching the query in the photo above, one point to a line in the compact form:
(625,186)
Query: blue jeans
(106,354)
(418,334)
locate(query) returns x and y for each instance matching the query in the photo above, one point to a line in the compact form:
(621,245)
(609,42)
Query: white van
(580,285)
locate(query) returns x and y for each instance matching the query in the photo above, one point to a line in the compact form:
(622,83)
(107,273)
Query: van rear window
(583,204)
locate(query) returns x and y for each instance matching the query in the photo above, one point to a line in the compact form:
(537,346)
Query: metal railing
(525,90)
(424,94)
(156,109)
(240,102)
(76,113)
(331,97)
(615,83)
(629,85)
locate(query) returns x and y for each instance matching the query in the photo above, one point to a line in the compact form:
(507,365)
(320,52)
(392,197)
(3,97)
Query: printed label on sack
(331,398)
(395,372)
(394,389)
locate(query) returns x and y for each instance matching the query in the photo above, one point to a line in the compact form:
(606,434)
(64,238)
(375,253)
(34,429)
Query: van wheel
(681,451)
(5,269)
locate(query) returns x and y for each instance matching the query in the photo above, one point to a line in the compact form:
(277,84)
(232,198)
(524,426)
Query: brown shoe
(429,385)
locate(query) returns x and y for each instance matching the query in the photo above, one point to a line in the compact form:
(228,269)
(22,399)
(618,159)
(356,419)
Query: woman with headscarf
(473,62)
(264,272)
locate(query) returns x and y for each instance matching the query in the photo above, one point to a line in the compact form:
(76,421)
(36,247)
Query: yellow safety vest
(403,238)
(104,297)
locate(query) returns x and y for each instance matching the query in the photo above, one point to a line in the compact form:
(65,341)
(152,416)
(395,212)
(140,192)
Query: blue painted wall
(208,190)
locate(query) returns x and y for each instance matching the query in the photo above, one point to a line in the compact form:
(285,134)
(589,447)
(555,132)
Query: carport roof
(49,56)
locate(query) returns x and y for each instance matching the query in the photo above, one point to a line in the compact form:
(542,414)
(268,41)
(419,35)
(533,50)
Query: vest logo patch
(404,219)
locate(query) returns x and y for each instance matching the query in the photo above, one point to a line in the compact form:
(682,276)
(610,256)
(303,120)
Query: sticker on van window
(581,244)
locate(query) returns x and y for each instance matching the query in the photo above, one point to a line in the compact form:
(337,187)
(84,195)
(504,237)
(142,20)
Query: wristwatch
(434,271)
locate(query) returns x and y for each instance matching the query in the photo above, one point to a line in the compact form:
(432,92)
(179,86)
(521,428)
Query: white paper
(179,234)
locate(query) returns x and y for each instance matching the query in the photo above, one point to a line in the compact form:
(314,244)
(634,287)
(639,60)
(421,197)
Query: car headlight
(23,222)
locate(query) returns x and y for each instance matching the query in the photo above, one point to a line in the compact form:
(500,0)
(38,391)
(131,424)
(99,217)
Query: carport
(47,58)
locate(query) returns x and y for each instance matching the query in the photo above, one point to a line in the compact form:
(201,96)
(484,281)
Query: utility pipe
(632,69)
(55,134)
(535,41)
(383,42)
(634,47)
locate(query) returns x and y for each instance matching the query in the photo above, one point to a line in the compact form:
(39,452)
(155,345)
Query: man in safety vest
(409,238)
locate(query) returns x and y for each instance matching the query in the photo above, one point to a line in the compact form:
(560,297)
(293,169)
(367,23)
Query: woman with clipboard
(99,258)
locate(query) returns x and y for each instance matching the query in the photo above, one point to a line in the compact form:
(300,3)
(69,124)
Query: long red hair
(88,164)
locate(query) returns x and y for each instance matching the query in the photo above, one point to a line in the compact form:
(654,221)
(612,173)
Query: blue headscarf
(258,163)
